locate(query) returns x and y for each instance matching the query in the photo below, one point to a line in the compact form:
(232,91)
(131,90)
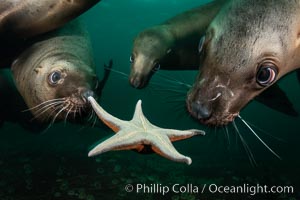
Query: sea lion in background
(56,73)
(24,19)
(174,45)
(27,18)
(248,47)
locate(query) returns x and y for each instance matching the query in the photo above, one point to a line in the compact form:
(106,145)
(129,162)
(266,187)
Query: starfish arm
(119,141)
(139,115)
(163,146)
(138,110)
(111,121)
(175,135)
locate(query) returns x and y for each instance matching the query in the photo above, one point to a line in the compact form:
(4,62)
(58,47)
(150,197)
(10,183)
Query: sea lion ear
(201,43)
(169,51)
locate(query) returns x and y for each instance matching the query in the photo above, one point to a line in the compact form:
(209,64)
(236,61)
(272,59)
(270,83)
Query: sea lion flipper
(298,74)
(101,84)
(274,97)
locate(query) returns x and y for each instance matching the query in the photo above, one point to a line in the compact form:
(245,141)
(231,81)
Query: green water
(54,165)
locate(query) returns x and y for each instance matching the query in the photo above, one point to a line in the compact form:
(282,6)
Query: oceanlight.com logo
(211,188)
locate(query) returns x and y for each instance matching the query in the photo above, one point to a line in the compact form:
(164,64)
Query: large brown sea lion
(176,45)
(248,47)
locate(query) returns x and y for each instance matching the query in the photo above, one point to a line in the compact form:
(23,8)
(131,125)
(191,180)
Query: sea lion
(171,45)
(62,59)
(175,45)
(248,47)
(11,103)
(57,73)
(21,20)
(27,18)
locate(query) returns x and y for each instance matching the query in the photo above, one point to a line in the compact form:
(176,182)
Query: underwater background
(54,164)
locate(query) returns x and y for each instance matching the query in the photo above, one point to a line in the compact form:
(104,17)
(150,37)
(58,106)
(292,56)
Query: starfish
(139,134)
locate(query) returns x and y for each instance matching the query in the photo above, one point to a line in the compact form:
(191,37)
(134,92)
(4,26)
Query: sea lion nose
(201,110)
(136,82)
(88,93)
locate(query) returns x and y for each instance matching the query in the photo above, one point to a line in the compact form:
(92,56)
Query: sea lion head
(149,49)
(247,48)
(56,86)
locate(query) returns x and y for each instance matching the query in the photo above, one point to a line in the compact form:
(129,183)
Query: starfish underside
(139,134)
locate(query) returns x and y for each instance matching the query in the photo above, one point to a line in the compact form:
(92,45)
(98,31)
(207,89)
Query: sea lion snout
(210,101)
(138,81)
(200,110)
(88,93)
(139,75)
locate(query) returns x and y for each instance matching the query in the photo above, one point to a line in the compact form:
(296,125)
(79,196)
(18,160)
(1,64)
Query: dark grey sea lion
(172,45)
(248,47)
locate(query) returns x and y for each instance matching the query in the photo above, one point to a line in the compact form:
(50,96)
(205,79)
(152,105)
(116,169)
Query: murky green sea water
(54,165)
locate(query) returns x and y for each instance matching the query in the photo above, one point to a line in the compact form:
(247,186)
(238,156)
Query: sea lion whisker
(176,100)
(53,104)
(45,109)
(255,134)
(171,91)
(173,80)
(224,132)
(178,108)
(95,120)
(91,115)
(79,111)
(46,129)
(45,102)
(60,111)
(245,145)
(75,111)
(53,111)
(117,72)
(50,124)
(70,109)
(265,132)
(227,134)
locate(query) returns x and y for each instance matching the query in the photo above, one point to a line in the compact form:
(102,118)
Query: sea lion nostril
(201,110)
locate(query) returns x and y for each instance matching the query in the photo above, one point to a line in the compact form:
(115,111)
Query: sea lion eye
(156,67)
(266,74)
(201,44)
(131,58)
(54,77)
